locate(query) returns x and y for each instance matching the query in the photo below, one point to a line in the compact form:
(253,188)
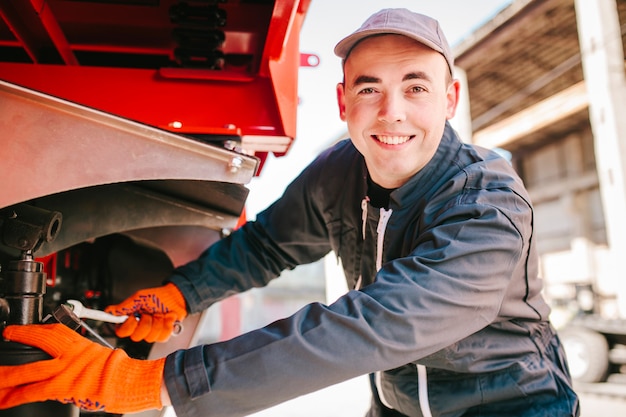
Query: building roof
(527,53)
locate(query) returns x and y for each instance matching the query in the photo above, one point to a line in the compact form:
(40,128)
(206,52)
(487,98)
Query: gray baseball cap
(422,28)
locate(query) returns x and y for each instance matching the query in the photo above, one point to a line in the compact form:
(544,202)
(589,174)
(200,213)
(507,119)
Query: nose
(392,108)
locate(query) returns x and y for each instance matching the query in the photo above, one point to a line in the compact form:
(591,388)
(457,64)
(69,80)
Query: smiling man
(435,236)
(396,97)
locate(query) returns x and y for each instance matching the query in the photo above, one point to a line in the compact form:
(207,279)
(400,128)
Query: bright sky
(327,22)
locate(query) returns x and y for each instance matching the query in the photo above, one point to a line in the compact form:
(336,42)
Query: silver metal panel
(118,208)
(49,145)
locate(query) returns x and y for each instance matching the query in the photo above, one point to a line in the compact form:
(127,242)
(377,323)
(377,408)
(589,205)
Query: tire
(587,353)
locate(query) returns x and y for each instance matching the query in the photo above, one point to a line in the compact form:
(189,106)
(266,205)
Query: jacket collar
(424,181)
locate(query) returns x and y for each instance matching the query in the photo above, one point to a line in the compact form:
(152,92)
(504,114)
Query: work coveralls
(445,296)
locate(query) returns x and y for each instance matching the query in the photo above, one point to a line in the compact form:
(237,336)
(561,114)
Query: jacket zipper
(422,377)
(383,219)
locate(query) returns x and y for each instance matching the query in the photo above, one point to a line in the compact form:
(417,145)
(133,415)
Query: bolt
(235,164)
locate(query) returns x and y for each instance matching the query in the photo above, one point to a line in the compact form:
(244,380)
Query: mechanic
(435,237)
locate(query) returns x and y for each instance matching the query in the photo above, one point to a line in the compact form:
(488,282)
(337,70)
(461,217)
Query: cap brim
(343,48)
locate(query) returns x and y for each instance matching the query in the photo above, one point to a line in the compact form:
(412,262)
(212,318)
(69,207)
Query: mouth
(392,139)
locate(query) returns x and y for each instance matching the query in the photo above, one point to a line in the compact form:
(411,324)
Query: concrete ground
(351,399)
(348,399)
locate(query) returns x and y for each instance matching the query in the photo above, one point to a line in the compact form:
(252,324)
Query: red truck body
(129,129)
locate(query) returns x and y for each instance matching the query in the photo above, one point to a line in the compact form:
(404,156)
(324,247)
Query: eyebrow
(419,75)
(368,79)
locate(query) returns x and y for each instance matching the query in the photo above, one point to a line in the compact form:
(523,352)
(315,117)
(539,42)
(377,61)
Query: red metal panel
(202,106)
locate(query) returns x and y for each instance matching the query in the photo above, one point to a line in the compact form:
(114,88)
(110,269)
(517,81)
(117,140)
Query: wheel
(587,353)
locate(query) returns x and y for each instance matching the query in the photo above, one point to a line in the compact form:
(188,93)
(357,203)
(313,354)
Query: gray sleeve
(290,232)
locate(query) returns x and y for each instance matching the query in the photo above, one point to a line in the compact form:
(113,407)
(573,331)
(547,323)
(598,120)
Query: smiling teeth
(393,140)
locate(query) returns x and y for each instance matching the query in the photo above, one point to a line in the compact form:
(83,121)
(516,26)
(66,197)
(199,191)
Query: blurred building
(546,84)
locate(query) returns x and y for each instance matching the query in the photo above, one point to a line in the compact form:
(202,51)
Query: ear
(452,98)
(341,101)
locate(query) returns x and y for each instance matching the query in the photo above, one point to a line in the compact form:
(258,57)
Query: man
(436,241)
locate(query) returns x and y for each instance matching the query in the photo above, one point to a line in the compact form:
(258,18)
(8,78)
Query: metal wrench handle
(88,313)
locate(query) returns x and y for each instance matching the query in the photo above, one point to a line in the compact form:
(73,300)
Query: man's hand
(81,372)
(158,310)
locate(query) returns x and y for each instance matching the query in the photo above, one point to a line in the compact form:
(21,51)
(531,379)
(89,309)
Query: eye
(367,90)
(417,89)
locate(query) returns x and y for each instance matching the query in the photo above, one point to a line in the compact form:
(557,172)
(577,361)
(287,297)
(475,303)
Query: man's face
(396,98)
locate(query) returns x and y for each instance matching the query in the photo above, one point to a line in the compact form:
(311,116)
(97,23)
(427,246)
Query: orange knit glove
(80,372)
(160,309)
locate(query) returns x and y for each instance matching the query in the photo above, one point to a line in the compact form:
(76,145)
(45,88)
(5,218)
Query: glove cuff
(141,389)
(174,299)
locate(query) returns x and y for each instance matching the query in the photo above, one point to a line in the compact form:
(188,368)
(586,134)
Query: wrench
(88,313)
